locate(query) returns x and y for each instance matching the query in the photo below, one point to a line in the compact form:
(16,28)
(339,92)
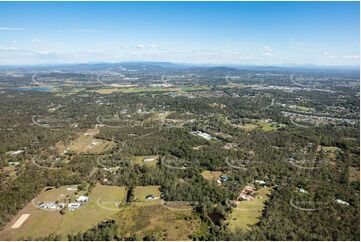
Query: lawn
(150,160)
(87,143)
(149,89)
(248,212)
(109,194)
(42,222)
(137,159)
(247,127)
(302,108)
(266,126)
(259,124)
(103,204)
(60,194)
(141,192)
(68,90)
(211,175)
(107,90)
(195,88)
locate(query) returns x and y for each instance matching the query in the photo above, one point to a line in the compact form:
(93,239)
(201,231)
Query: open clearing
(141,192)
(165,224)
(111,197)
(329,152)
(247,127)
(248,213)
(134,90)
(151,160)
(91,213)
(266,126)
(211,175)
(150,89)
(107,90)
(9,170)
(302,108)
(87,143)
(161,116)
(44,222)
(259,124)
(354,173)
(20,221)
(61,194)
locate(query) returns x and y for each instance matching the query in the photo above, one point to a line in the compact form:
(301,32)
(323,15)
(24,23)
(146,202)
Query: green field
(266,126)
(157,220)
(87,143)
(248,127)
(139,160)
(43,222)
(330,153)
(102,205)
(195,88)
(139,218)
(151,89)
(302,108)
(259,124)
(140,193)
(211,175)
(248,213)
(136,90)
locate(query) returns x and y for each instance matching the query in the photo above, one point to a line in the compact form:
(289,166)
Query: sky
(237,33)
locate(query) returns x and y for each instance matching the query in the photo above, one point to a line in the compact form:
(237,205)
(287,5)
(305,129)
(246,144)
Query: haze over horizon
(228,33)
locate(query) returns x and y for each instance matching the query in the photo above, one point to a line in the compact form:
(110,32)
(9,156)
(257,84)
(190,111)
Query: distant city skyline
(228,33)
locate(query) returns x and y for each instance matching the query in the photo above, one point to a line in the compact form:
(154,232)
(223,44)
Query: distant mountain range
(176,66)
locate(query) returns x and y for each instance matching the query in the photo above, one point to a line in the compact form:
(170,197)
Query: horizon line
(304,65)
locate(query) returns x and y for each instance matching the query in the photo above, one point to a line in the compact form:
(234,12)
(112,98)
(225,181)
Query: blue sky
(261,33)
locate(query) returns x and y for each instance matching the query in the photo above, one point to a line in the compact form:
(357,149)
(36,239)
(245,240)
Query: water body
(41,89)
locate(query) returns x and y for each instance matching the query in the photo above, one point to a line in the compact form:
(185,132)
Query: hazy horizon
(213,33)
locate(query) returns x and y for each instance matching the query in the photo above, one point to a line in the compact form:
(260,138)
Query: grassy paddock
(260,124)
(157,220)
(140,193)
(139,160)
(248,212)
(211,175)
(43,223)
(87,143)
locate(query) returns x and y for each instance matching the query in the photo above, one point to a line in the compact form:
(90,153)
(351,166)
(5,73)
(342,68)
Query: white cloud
(43,52)
(262,54)
(333,57)
(10,29)
(267,51)
(345,57)
(8,48)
